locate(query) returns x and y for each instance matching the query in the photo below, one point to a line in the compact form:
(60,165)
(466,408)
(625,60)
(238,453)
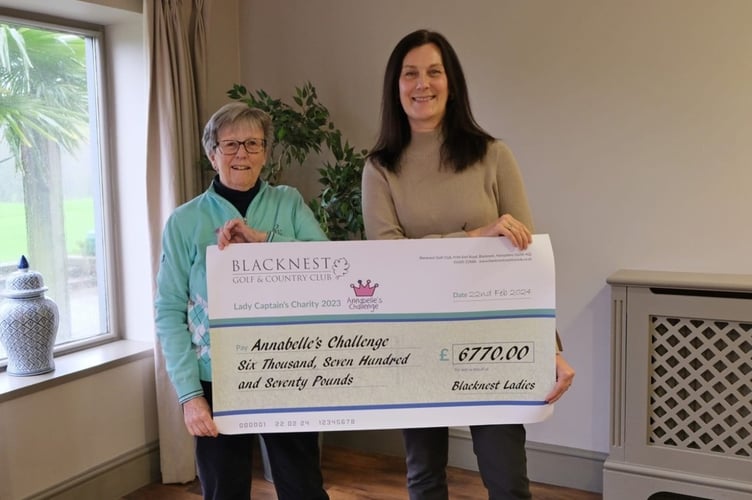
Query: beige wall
(630,121)
(58,435)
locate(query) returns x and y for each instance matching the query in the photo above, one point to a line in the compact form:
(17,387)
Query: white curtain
(176,44)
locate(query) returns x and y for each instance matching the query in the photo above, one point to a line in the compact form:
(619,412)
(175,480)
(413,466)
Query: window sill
(75,365)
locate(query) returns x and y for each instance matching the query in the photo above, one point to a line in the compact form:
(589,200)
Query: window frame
(104,176)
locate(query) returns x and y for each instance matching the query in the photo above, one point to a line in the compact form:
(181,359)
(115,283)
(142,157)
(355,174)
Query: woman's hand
(564,378)
(237,231)
(508,226)
(198,418)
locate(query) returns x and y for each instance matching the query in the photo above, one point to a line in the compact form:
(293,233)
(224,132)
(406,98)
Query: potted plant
(305,129)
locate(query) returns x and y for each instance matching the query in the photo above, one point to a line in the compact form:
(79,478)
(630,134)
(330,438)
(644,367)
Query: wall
(630,121)
(59,439)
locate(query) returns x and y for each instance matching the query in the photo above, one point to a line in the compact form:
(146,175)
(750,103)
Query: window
(53,205)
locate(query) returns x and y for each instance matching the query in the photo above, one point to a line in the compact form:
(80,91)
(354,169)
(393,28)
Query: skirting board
(549,464)
(113,479)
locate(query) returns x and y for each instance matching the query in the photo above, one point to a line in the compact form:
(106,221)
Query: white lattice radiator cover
(681,419)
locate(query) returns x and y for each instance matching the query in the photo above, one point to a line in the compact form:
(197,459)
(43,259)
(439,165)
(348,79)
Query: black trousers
(500,450)
(225,464)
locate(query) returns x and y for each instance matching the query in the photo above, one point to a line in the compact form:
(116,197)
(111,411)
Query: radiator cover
(681,375)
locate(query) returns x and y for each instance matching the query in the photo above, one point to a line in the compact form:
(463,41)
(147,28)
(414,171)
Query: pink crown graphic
(364,290)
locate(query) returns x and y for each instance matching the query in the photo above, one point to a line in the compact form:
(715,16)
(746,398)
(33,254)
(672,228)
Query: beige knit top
(426,200)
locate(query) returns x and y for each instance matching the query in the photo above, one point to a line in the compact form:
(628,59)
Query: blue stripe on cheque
(382,318)
(448,404)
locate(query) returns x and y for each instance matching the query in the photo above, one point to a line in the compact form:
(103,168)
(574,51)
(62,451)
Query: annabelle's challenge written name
(311,362)
(338,352)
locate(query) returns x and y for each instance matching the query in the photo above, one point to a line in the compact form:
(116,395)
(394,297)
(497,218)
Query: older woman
(237,206)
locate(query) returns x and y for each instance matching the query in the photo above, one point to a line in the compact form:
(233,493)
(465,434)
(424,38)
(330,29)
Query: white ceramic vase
(28,323)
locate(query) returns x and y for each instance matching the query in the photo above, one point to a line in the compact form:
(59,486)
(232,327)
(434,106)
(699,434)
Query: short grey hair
(232,113)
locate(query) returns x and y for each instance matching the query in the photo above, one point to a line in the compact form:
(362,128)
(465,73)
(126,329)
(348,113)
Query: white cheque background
(461,332)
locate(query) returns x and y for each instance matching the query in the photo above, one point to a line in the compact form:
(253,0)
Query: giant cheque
(316,336)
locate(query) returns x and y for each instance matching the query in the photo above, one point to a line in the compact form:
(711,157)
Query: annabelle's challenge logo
(288,269)
(364,296)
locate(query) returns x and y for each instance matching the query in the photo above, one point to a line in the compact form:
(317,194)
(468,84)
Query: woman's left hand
(508,226)
(237,231)
(564,378)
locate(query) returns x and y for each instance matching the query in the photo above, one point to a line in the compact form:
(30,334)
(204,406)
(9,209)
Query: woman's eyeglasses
(232,147)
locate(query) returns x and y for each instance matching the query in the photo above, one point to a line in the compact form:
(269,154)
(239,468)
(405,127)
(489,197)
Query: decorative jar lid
(24,282)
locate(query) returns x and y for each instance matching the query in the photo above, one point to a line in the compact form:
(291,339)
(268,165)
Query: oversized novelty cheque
(317,336)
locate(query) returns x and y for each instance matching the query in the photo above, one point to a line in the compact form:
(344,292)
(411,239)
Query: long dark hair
(465,142)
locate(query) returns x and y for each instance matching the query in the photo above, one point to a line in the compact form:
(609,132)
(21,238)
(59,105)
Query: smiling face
(240,170)
(423,87)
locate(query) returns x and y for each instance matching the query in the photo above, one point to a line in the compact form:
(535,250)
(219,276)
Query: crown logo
(364,290)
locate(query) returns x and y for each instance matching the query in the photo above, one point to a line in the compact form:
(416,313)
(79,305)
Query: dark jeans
(225,464)
(500,450)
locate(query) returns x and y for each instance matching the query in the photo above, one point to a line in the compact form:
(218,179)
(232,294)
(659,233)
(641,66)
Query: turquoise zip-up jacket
(181,313)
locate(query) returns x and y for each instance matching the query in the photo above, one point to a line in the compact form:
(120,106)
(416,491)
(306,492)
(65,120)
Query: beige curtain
(176,43)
